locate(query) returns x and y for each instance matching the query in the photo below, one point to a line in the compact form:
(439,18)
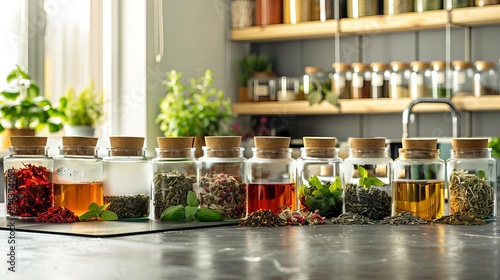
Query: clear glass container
(341,79)
(462,78)
(262,86)
(428,5)
(419,182)
(362,8)
(271,176)
(242,13)
(398,81)
(322,10)
(361,81)
(127,178)
(78,174)
(453,4)
(28,177)
(295,11)
(380,76)
(288,89)
(485,78)
(420,79)
(367,178)
(268,12)
(175,173)
(314,80)
(481,3)
(472,178)
(319,164)
(392,7)
(439,85)
(222,176)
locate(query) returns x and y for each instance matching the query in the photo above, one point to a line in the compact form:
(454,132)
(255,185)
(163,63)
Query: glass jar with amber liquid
(418,181)
(271,175)
(78,174)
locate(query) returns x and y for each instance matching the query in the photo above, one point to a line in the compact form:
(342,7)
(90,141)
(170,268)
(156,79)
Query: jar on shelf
(314,80)
(439,87)
(481,3)
(361,81)
(78,174)
(362,8)
(271,175)
(28,177)
(485,78)
(268,12)
(288,89)
(175,173)
(367,178)
(318,167)
(399,78)
(462,78)
(418,182)
(419,79)
(453,4)
(341,79)
(392,7)
(472,178)
(262,86)
(222,176)
(428,5)
(321,10)
(242,13)
(295,11)
(380,75)
(127,177)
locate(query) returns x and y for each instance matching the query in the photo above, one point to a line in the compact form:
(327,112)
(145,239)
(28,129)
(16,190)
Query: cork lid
(313,69)
(271,142)
(438,65)
(419,65)
(79,145)
(319,142)
(359,66)
(126,142)
(379,66)
(482,65)
(366,143)
(175,142)
(341,67)
(460,65)
(420,143)
(28,145)
(263,75)
(399,65)
(469,143)
(223,141)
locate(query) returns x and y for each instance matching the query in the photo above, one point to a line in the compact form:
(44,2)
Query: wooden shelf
(301,107)
(476,16)
(477,104)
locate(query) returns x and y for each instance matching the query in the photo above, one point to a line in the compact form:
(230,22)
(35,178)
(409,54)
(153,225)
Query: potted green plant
(248,67)
(82,111)
(23,110)
(195,109)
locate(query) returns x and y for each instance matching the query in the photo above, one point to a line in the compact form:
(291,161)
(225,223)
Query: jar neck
(126,152)
(470,153)
(231,152)
(318,152)
(29,151)
(175,152)
(79,151)
(418,154)
(368,152)
(272,153)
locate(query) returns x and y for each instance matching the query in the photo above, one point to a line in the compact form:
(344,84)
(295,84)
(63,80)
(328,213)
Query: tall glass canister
(462,78)
(341,80)
(380,76)
(127,177)
(472,178)
(367,178)
(418,181)
(271,176)
(361,81)
(398,82)
(175,173)
(419,79)
(222,176)
(28,177)
(485,78)
(78,174)
(318,177)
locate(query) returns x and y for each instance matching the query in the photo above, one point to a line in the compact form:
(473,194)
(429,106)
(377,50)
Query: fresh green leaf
(304,190)
(89,215)
(335,185)
(314,97)
(173,213)
(362,172)
(481,174)
(314,181)
(374,181)
(103,207)
(192,200)
(190,212)
(94,207)
(109,215)
(208,215)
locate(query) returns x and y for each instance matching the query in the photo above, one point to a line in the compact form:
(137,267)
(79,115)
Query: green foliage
(191,212)
(21,105)
(327,198)
(85,108)
(95,212)
(320,92)
(251,64)
(494,144)
(194,109)
(368,181)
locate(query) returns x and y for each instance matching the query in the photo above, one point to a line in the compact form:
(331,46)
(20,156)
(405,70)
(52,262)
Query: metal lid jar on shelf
(462,78)
(380,76)
(472,178)
(399,78)
(485,78)
(341,79)
(361,80)
(28,177)
(419,79)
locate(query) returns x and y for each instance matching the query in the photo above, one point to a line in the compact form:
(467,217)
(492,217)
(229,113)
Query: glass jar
(481,3)
(318,167)
(362,8)
(314,81)
(262,86)
(380,76)
(398,82)
(452,4)
(462,79)
(321,10)
(367,178)
(28,177)
(222,176)
(78,174)
(268,12)
(472,178)
(288,89)
(341,80)
(428,5)
(127,178)
(242,13)
(438,80)
(361,81)
(271,175)
(295,11)
(175,173)
(418,182)
(419,79)
(392,7)
(485,78)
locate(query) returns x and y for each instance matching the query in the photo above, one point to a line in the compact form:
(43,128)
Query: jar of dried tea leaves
(175,173)
(127,177)
(367,180)
(418,181)
(472,178)
(318,177)
(222,176)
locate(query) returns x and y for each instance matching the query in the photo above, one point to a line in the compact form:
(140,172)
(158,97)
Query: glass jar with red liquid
(271,176)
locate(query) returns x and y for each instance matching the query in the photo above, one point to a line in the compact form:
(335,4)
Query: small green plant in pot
(248,67)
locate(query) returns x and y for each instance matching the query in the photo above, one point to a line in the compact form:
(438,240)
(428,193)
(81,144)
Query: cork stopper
(341,67)
(313,70)
(460,65)
(28,145)
(320,147)
(367,143)
(379,66)
(79,145)
(482,65)
(399,65)
(271,142)
(126,146)
(359,67)
(420,143)
(419,65)
(469,143)
(438,65)
(175,142)
(222,146)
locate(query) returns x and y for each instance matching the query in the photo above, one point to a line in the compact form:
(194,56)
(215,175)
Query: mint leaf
(374,181)
(173,213)
(314,181)
(88,216)
(335,185)
(362,173)
(109,215)
(304,190)
(103,207)
(208,215)
(481,174)
(190,212)
(93,207)
(192,200)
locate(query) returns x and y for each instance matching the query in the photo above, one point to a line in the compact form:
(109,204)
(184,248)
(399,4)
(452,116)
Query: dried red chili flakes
(57,215)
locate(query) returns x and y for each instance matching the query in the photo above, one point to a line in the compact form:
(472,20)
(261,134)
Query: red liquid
(274,197)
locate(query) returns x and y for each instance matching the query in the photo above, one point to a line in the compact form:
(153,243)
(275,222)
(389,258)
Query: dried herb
(327,198)
(262,218)
(191,212)
(471,194)
(29,190)
(170,189)
(403,218)
(128,206)
(225,194)
(460,219)
(57,215)
(372,203)
(95,212)
(299,218)
(350,218)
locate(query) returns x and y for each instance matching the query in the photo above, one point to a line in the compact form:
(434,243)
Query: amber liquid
(422,198)
(274,197)
(78,197)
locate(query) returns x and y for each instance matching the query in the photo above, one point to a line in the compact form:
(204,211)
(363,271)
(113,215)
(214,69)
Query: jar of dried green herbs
(418,181)
(471,173)
(222,176)
(127,177)
(318,177)
(367,180)
(175,173)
